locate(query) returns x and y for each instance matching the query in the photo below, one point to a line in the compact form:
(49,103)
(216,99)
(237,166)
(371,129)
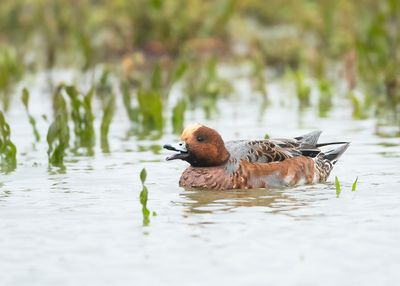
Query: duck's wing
(272,150)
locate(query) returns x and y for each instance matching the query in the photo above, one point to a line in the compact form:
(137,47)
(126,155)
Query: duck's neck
(224,156)
(216,158)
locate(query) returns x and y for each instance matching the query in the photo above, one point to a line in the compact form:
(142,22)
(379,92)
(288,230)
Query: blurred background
(353,43)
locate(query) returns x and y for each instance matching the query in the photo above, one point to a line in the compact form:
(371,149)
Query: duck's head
(200,146)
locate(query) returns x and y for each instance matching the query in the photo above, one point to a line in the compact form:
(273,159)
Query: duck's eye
(200,139)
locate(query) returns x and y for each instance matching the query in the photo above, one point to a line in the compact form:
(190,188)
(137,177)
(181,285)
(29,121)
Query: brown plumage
(251,164)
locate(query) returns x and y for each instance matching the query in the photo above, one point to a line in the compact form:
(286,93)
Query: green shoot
(354,186)
(156,78)
(86,47)
(11,71)
(337,185)
(151,111)
(58,133)
(143,198)
(108,114)
(204,86)
(32,121)
(104,87)
(82,117)
(133,112)
(178,116)
(303,89)
(59,103)
(325,97)
(58,140)
(259,80)
(358,108)
(8,151)
(179,72)
(143,176)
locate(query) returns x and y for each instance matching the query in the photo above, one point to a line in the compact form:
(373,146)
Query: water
(84,226)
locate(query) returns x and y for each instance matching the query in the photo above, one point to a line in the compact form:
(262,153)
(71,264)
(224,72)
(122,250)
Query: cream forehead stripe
(190,129)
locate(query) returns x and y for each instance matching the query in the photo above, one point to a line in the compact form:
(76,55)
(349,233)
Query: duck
(252,164)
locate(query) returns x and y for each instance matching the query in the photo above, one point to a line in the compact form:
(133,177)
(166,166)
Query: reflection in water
(58,182)
(5,193)
(274,201)
(56,170)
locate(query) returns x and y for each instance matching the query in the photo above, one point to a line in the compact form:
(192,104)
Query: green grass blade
(143,175)
(8,151)
(32,121)
(354,186)
(337,185)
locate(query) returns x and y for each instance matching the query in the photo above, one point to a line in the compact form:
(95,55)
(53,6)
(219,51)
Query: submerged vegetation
(82,117)
(8,151)
(354,185)
(32,121)
(108,114)
(58,134)
(143,199)
(339,188)
(58,141)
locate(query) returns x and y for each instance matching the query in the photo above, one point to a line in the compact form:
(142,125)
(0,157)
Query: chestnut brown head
(201,146)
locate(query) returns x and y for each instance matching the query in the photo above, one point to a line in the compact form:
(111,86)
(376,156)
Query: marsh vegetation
(328,49)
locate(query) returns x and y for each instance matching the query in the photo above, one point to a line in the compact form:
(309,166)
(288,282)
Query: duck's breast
(206,178)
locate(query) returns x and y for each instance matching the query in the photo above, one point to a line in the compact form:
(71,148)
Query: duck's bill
(179,147)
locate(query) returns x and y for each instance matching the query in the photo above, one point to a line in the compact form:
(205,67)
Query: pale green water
(84,227)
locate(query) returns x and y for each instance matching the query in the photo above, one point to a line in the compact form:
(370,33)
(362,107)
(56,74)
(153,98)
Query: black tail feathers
(334,154)
(309,147)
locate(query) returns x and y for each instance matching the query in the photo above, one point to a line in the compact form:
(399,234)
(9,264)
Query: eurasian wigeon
(244,164)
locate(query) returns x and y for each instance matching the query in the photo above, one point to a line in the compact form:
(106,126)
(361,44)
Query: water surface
(83,226)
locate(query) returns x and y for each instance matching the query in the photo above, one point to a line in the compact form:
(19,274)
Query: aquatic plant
(58,140)
(103,87)
(58,134)
(337,186)
(178,73)
(378,57)
(204,86)
(178,116)
(132,112)
(11,70)
(325,97)
(108,114)
(150,111)
(303,90)
(359,112)
(354,186)
(86,47)
(143,198)
(258,76)
(151,92)
(8,151)
(59,103)
(32,121)
(82,117)
(314,37)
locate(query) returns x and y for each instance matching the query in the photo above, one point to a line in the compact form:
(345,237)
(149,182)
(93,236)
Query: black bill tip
(181,154)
